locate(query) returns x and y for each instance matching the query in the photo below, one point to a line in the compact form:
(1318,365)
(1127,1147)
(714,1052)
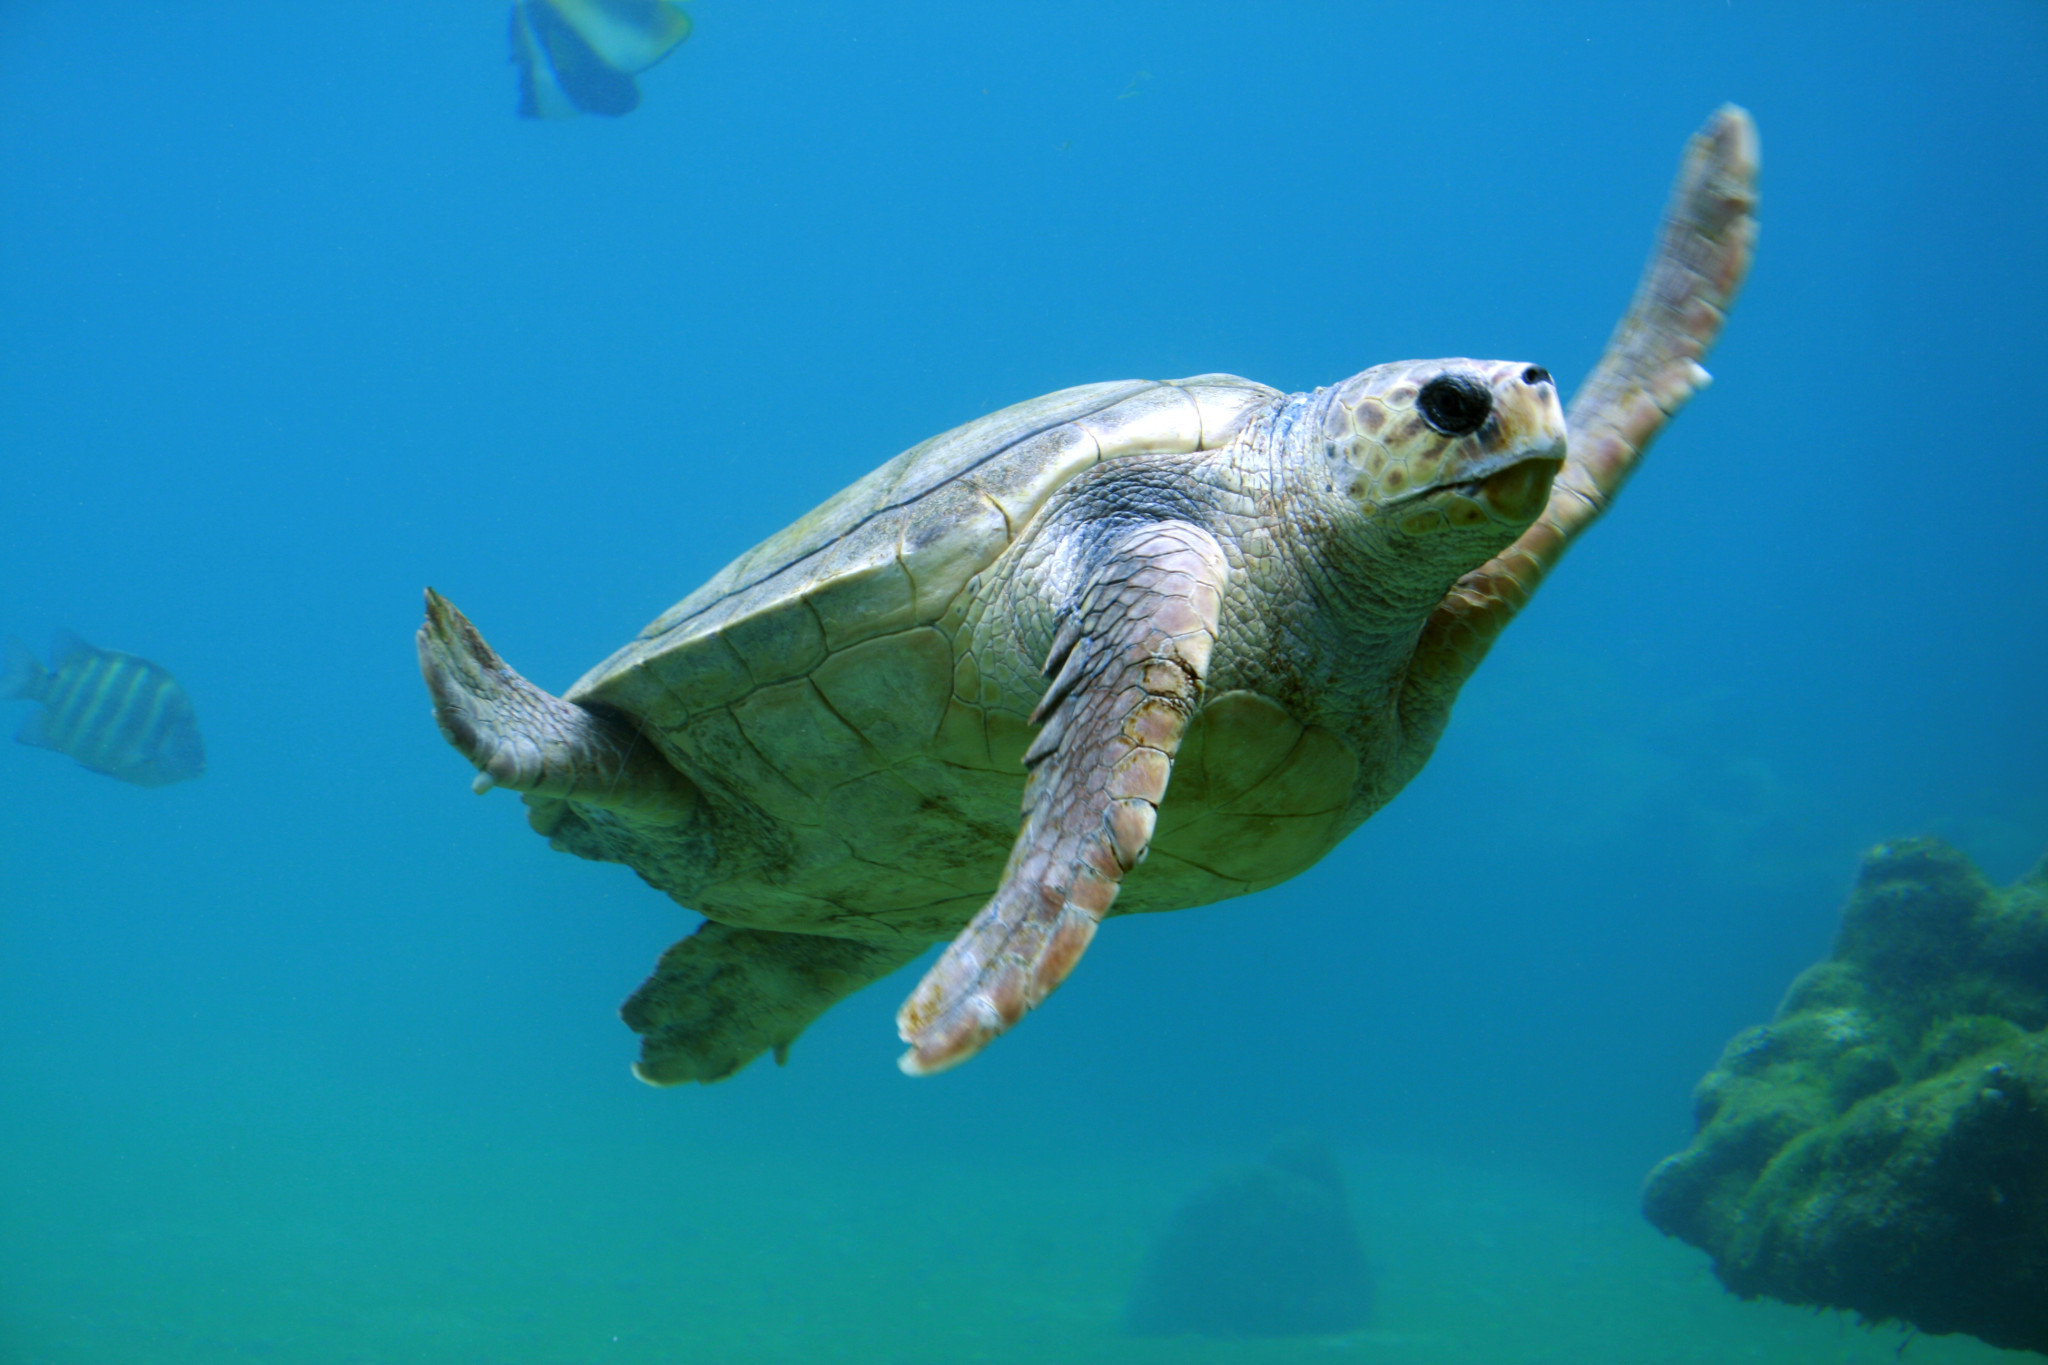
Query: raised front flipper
(723,996)
(1127,671)
(1649,370)
(522,738)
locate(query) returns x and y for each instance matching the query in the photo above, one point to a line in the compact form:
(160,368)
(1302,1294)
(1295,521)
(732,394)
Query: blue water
(315,1059)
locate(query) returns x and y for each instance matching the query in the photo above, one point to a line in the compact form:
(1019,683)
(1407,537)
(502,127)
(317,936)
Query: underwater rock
(1882,1145)
(1263,1251)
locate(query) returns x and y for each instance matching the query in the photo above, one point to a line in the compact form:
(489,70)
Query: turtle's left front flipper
(1650,369)
(1127,672)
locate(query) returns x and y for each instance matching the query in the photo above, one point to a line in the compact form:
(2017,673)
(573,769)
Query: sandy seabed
(438,1247)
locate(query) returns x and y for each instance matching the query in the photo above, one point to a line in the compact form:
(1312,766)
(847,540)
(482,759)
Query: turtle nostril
(1535,374)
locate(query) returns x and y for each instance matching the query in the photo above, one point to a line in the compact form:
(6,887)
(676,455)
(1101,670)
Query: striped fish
(117,714)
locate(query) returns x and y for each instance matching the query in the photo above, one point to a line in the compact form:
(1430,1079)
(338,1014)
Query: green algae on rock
(1882,1145)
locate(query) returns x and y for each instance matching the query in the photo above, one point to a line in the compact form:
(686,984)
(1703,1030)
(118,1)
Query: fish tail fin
(629,35)
(23,675)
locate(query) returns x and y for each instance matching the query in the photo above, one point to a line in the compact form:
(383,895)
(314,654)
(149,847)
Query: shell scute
(962,741)
(873,599)
(1223,401)
(956,533)
(894,551)
(1254,850)
(720,750)
(1234,742)
(861,588)
(1044,462)
(665,690)
(777,642)
(1161,418)
(992,442)
(892,689)
(1317,777)
(795,732)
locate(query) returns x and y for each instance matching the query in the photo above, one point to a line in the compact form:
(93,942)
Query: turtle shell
(891,552)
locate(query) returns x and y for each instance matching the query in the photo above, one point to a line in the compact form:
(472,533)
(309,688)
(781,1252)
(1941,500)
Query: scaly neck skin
(1331,611)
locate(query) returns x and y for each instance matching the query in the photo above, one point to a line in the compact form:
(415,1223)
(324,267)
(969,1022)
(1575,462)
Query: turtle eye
(1455,404)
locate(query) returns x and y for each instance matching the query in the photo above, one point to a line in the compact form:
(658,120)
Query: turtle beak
(1512,485)
(1517,492)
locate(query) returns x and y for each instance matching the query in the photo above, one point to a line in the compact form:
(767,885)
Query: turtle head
(1448,460)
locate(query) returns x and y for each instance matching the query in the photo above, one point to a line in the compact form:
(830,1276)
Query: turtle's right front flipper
(1127,671)
(522,738)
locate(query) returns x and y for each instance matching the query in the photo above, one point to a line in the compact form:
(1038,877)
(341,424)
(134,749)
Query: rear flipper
(723,996)
(522,738)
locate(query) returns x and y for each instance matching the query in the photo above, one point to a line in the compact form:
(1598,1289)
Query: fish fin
(628,36)
(540,95)
(24,675)
(33,732)
(585,78)
(66,645)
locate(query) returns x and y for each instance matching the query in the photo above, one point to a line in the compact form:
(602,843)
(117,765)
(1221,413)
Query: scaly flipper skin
(1651,367)
(522,738)
(723,996)
(1127,672)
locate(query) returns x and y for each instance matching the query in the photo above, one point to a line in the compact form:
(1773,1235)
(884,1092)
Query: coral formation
(1882,1145)
(1263,1251)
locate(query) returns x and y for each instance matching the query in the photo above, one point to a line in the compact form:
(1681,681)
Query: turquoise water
(315,1059)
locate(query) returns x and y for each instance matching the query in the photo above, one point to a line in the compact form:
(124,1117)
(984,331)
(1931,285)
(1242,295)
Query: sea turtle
(1270,598)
